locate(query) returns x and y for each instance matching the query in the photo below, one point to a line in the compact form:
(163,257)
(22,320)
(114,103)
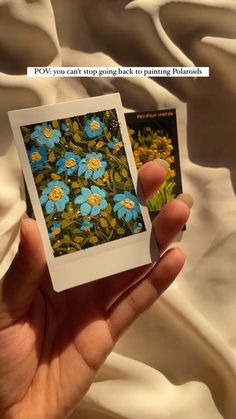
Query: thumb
(21,282)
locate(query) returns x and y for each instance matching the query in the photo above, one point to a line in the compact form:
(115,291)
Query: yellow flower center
(35,156)
(94,163)
(56,193)
(70,163)
(128,203)
(56,231)
(47,132)
(87,228)
(94,126)
(118,146)
(94,199)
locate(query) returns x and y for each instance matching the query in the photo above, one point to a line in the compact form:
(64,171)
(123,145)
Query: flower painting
(82,176)
(153,135)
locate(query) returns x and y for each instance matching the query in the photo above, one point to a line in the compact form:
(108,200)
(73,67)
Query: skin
(52,344)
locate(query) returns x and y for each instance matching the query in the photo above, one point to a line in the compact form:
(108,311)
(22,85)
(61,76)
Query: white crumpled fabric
(178,360)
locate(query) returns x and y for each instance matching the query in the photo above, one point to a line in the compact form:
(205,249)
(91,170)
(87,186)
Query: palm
(51,345)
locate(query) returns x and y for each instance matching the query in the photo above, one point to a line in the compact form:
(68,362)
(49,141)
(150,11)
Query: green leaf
(68,122)
(92,144)
(100,144)
(131,131)
(72,249)
(113,222)
(108,135)
(25,130)
(66,223)
(55,176)
(77,137)
(79,239)
(75,126)
(39,178)
(76,148)
(55,124)
(75,185)
(99,182)
(103,222)
(49,218)
(64,215)
(109,208)
(124,173)
(57,244)
(51,156)
(120,231)
(117,177)
(104,213)
(93,240)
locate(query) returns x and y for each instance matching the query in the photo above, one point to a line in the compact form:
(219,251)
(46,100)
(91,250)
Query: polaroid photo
(82,181)
(153,135)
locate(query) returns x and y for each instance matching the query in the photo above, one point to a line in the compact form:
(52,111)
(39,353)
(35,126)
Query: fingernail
(185,197)
(163,163)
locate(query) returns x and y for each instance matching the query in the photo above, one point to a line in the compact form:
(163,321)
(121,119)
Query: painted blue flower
(92,166)
(86,226)
(64,127)
(137,228)
(55,229)
(44,134)
(94,127)
(37,157)
(55,196)
(69,163)
(92,201)
(115,144)
(126,206)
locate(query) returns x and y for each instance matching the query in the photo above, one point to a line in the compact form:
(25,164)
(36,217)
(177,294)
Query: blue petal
(103,204)
(60,162)
(80,199)
(135,214)
(117,206)
(86,192)
(43,198)
(121,212)
(131,196)
(61,170)
(49,143)
(128,216)
(85,209)
(60,205)
(97,174)
(82,168)
(103,193)
(119,197)
(97,190)
(56,135)
(65,199)
(64,127)
(88,174)
(95,210)
(34,135)
(49,207)
(71,170)
(69,155)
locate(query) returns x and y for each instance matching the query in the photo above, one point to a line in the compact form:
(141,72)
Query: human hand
(52,344)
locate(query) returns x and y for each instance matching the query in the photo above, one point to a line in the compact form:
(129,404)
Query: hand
(52,344)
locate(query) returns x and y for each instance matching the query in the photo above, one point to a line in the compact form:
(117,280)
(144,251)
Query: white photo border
(107,258)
